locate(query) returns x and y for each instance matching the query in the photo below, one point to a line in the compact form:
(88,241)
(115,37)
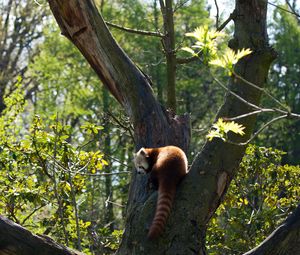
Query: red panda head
(141,161)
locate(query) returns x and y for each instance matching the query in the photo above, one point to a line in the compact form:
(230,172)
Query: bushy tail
(163,208)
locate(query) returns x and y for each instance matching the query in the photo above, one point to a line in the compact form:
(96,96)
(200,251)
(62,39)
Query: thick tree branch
(81,22)
(285,240)
(16,240)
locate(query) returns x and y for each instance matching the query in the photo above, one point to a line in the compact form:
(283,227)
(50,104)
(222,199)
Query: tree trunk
(202,190)
(169,48)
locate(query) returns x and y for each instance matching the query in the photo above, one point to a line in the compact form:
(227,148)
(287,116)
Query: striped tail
(163,208)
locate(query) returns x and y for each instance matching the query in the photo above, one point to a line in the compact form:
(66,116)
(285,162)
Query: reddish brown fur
(168,165)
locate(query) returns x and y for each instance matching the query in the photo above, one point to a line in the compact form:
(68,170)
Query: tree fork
(81,23)
(203,189)
(84,26)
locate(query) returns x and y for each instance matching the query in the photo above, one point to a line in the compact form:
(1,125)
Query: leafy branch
(206,49)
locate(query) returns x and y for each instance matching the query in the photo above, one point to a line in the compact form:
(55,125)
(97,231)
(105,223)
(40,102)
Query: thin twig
(224,24)
(39,4)
(30,214)
(236,95)
(283,9)
(121,124)
(260,130)
(181,61)
(217,15)
(73,197)
(40,159)
(292,9)
(62,168)
(180,5)
(114,203)
(56,193)
(135,31)
(249,114)
(262,90)
(117,160)
(294,115)
(80,147)
(258,109)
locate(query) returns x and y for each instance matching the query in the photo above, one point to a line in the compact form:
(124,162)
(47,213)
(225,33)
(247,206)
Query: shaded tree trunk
(203,189)
(169,48)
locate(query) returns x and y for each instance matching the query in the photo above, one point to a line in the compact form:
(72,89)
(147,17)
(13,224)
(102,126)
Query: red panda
(167,166)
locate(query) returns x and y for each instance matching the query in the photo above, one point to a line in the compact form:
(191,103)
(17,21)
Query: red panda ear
(144,152)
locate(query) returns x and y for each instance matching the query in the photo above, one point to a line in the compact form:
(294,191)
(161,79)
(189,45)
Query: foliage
(206,43)
(74,94)
(51,166)
(207,48)
(259,198)
(229,59)
(221,128)
(20,30)
(284,85)
(72,91)
(43,177)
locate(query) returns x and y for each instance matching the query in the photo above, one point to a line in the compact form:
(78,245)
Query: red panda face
(141,161)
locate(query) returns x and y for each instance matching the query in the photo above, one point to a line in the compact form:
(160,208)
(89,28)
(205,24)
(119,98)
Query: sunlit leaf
(221,128)
(189,50)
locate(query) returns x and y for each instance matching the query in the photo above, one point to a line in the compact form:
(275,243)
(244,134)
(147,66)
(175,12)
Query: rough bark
(153,126)
(16,240)
(202,190)
(83,25)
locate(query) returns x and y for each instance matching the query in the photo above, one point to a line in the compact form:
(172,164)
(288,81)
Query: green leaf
(221,128)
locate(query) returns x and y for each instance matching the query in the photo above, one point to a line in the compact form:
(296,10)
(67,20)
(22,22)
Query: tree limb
(16,240)
(285,240)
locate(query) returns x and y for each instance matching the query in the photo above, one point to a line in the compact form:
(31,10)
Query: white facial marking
(141,162)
